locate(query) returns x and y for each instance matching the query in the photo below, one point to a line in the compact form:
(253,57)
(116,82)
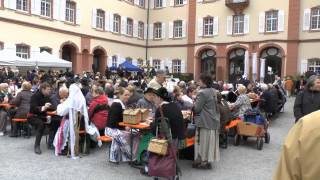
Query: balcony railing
(237,5)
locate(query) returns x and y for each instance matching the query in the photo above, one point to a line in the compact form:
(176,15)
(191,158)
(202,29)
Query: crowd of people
(100,101)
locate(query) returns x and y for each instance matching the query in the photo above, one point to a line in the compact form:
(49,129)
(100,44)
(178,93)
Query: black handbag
(191,128)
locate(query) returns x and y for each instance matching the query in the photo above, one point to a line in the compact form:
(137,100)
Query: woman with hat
(172,112)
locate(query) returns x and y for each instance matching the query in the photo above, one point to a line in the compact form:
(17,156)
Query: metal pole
(147,38)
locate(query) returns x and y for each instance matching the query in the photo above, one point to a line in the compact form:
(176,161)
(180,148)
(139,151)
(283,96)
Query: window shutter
(170,30)
(56,9)
(229,25)
(281,20)
(262,20)
(136,2)
(184,28)
(306,19)
(111,21)
(183,66)
(94,18)
(78,16)
(164,3)
(10,47)
(216,26)
(109,61)
(185,2)
(135,28)
(12,4)
(246,24)
(145,31)
(303,66)
(171,2)
(151,4)
(106,21)
(6,3)
(162,64)
(151,31)
(169,64)
(199,1)
(123,25)
(63,10)
(163,35)
(200,27)
(36,7)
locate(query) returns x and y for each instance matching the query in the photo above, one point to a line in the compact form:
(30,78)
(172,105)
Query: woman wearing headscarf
(69,109)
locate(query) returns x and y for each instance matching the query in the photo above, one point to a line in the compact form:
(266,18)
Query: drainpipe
(147,38)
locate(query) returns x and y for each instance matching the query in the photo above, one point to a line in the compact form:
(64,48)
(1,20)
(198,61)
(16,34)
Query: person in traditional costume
(68,132)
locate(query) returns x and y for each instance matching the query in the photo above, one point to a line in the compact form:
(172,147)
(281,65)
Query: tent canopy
(44,59)
(128,66)
(9,58)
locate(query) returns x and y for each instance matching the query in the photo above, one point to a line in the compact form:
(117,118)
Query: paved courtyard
(17,160)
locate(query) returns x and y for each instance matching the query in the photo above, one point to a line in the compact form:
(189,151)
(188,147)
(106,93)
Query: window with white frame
(23,51)
(158,3)
(176,66)
(140,62)
(208,24)
(315,18)
(46,8)
(178,2)
(140,30)
(70,11)
(129,60)
(116,23)
(157,30)
(129,27)
(177,29)
(47,49)
(141,3)
(272,21)
(114,61)
(156,64)
(314,65)
(238,24)
(100,19)
(22,5)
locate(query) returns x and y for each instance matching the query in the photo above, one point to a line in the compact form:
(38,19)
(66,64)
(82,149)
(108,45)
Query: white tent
(9,58)
(44,59)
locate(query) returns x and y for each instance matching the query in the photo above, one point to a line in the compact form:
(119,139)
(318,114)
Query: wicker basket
(132,116)
(158,146)
(144,114)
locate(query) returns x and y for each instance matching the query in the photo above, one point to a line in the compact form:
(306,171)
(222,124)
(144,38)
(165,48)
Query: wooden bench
(24,122)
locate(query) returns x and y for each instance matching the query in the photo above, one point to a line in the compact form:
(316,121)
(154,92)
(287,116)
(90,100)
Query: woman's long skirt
(207,145)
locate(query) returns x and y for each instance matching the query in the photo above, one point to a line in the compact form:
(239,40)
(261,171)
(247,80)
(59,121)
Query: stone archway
(273,63)
(69,52)
(99,60)
(236,63)
(208,62)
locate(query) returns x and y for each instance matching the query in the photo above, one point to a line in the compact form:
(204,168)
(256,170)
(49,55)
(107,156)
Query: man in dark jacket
(308,100)
(39,105)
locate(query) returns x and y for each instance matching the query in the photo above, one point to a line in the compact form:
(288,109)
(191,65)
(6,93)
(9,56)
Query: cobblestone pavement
(245,162)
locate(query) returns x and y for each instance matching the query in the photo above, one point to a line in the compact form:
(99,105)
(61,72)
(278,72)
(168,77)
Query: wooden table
(141,126)
(7,105)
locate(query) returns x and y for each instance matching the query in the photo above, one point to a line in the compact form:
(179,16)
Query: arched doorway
(208,62)
(236,64)
(69,53)
(99,61)
(273,63)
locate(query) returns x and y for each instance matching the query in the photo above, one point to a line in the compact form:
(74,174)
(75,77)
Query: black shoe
(37,150)
(13,135)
